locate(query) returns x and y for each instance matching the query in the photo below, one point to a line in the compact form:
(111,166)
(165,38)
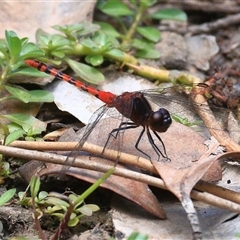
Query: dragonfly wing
(181,106)
(97,115)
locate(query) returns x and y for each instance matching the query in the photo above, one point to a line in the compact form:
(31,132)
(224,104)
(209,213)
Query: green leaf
(85,72)
(95,59)
(148,53)
(100,40)
(73,222)
(53,43)
(137,236)
(14,44)
(13,127)
(108,29)
(21,195)
(115,53)
(4,130)
(77,30)
(42,195)
(14,136)
(58,202)
(185,121)
(167,13)
(89,43)
(30,96)
(148,3)
(29,71)
(58,54)
(58,215)
(142,44)
(149,33)
(73,197)
(7,196)
(69,28)
(30,124)
(53,209)
(85,210)
(93,207)
(115,8)
(34,186)
(30,50)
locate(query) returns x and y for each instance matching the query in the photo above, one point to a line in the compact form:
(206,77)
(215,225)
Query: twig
(218,191)
(205,27)
(203,6)
(209,120)
(93,149)
(213,26)
(127,159)
(153,181)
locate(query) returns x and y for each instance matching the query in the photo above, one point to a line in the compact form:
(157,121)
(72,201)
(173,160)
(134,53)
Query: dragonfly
(137,109)
(132,105)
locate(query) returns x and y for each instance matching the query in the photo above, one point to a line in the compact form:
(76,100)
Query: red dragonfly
(132,105)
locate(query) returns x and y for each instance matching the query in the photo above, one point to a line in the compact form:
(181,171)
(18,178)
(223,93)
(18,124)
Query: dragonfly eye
(160,120)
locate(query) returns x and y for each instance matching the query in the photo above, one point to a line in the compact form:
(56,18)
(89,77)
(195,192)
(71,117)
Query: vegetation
(96,43)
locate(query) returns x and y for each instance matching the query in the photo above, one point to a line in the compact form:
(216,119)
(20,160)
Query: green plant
(13,52)
(69,209)
(74,41)
(100,42)
(4,198)
(137,34)
(185,121)
(137,236)
(95,43)
(8,195)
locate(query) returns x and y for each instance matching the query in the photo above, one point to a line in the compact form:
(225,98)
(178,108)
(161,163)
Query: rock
(174,51)
(201,48)
(25,19)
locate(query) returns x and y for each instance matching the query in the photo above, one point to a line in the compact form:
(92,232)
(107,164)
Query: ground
(220,23)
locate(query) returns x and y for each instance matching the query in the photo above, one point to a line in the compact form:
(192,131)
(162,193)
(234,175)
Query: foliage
(140,36)
(13,52)
(137,236)
(5,197)
(101,42)
(96,43)
(185,121)
(55,204)
(68,208)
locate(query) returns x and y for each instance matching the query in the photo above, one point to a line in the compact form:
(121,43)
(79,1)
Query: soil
(208,18)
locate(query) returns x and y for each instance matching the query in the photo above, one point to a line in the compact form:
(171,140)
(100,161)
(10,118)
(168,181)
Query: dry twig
(154,181)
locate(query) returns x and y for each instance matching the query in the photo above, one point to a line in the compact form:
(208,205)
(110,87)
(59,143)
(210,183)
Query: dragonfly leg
(114,133)
(137,143)
(155,147)
(163,145)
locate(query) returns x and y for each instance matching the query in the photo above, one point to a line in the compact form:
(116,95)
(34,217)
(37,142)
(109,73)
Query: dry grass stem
(218,199)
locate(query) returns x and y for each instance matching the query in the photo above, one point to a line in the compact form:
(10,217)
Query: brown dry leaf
(182,144)
(135,191)
(185,148)
(175,175)
(180,180)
